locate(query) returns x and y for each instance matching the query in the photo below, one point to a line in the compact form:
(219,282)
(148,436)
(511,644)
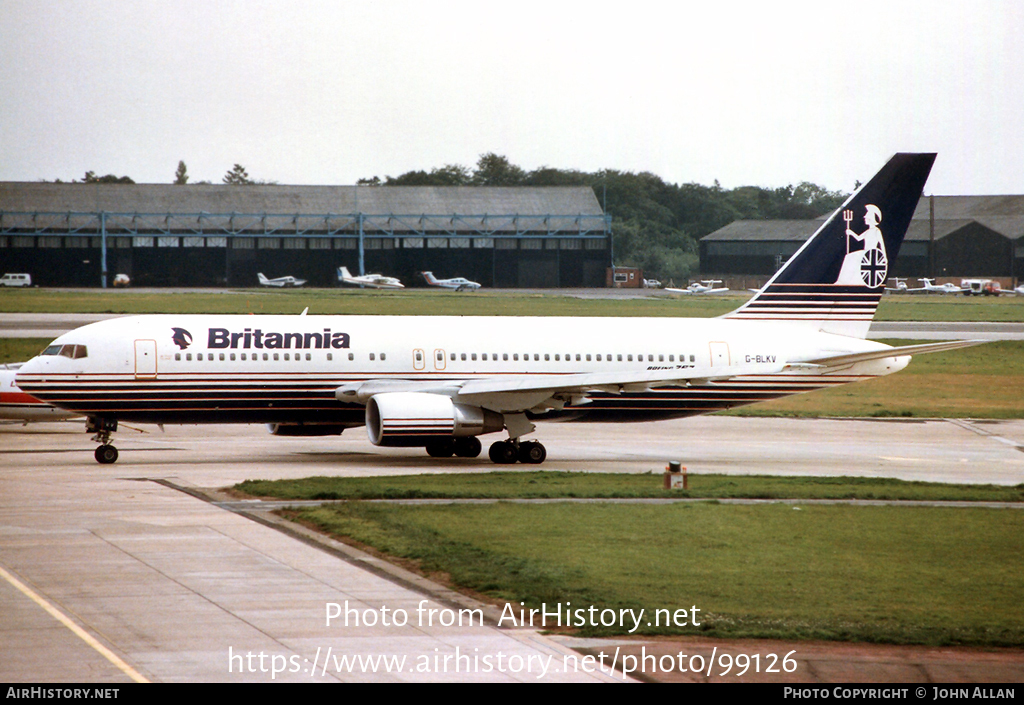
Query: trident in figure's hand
(848,217)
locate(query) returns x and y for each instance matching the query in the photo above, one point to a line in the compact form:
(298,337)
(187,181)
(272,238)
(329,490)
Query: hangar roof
(508,209)
(1002,214)
(163,198)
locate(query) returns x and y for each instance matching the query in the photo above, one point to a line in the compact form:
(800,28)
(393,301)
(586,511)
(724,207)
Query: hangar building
(217,235)
(950,236)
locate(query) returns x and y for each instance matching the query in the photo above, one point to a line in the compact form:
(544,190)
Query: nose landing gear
(106,453)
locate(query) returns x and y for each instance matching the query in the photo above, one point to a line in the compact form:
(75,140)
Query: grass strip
(877,574)
(547,484)
(480,303)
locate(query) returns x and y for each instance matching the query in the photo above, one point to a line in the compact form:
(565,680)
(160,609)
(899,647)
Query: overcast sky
(761,93)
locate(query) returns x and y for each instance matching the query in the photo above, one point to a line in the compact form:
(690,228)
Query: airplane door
(145,359)
(418,359)
(439,361)
(720,354)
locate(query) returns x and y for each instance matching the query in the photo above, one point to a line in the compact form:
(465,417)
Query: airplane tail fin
(343,273)
(429,276)
(263,279)
(836,279)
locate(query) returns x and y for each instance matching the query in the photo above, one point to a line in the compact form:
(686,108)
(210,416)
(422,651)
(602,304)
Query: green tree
(91,178)
(237,176)
(495,170)
(181,175)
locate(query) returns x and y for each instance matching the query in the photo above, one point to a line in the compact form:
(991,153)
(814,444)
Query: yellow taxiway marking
(79,632)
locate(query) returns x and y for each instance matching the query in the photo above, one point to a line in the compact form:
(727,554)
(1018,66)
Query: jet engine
(416,419)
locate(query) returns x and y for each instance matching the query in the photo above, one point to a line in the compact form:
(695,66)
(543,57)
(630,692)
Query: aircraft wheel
(106,454)
(441,449)
(503,452)
(532,453)
(468,447)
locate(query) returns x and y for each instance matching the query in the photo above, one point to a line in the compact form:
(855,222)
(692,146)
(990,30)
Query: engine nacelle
(416,419)
(296,429)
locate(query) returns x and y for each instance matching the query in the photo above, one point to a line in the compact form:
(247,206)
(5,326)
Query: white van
(16,280)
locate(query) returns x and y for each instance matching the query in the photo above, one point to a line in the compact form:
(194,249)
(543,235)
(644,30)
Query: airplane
(374,281)
(900,288)
(931,288)
(280,282)
(16,405)
(1018,291)
(439,382)
(705,286)
(457,283)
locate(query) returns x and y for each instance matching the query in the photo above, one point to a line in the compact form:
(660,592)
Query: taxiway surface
(179,589)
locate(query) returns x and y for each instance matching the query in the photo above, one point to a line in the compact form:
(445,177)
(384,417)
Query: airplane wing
(516,393)
(523,392)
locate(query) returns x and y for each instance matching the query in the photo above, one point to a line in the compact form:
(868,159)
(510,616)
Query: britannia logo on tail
(182,338)
(865,263)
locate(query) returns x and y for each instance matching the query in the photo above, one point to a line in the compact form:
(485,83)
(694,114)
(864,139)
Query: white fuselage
(286,369)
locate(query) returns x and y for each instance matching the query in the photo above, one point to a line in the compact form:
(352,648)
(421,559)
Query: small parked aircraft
(705,286)
(900,288)
(280,282)
(456,283)
(931,288)
(374,281)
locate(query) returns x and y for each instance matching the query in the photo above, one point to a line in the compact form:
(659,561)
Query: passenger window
(276,358)
(474,357)
(177,356)
(629,358)
(372,357)
(222,357)
(232,357)
(546,357)
(671,358)
(504,356)
(266,356)
(453,357)
(310,357)
(620,357)
(383,356)
(691,358)
(588,357)
(330,356)
(463,355)
(558,358)
(515,357)
(351,356)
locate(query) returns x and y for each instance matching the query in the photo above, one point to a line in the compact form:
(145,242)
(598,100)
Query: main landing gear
(105,453)
(462,447)
(512,450)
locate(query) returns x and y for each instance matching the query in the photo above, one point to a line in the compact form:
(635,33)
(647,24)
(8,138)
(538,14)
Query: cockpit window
(51,350)
(73,351)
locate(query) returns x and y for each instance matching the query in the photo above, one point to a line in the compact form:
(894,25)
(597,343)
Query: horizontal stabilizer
(901,351)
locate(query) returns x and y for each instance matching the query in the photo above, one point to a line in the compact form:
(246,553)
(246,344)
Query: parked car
(16,280)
